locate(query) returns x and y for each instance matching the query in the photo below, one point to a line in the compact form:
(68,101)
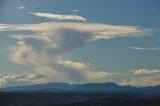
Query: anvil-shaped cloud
(45,48)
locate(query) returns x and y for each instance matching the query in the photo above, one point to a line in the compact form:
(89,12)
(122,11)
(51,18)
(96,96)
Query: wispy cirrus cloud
(59,16)
(146,49)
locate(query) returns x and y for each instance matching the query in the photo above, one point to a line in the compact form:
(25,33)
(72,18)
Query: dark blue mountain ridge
(54,85)
(108,87)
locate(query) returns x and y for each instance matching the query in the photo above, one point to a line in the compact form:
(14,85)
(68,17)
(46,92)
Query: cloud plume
(49,43)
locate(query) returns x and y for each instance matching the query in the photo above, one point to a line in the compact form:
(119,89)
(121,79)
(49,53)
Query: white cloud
(21,79)
(83,71)
(142,77)
(72,64)
(149,49)
(45,49)
(75,10)
(94,30)
(142,81)
(145,71)
(21,8)
(59,16)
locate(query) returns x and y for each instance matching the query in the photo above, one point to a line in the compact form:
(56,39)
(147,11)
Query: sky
(79,41)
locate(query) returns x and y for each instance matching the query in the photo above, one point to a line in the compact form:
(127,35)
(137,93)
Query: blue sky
(79,41)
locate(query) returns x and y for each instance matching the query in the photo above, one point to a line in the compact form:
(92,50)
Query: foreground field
(75,99)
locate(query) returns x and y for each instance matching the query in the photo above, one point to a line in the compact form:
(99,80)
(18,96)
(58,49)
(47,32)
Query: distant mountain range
(108,87)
